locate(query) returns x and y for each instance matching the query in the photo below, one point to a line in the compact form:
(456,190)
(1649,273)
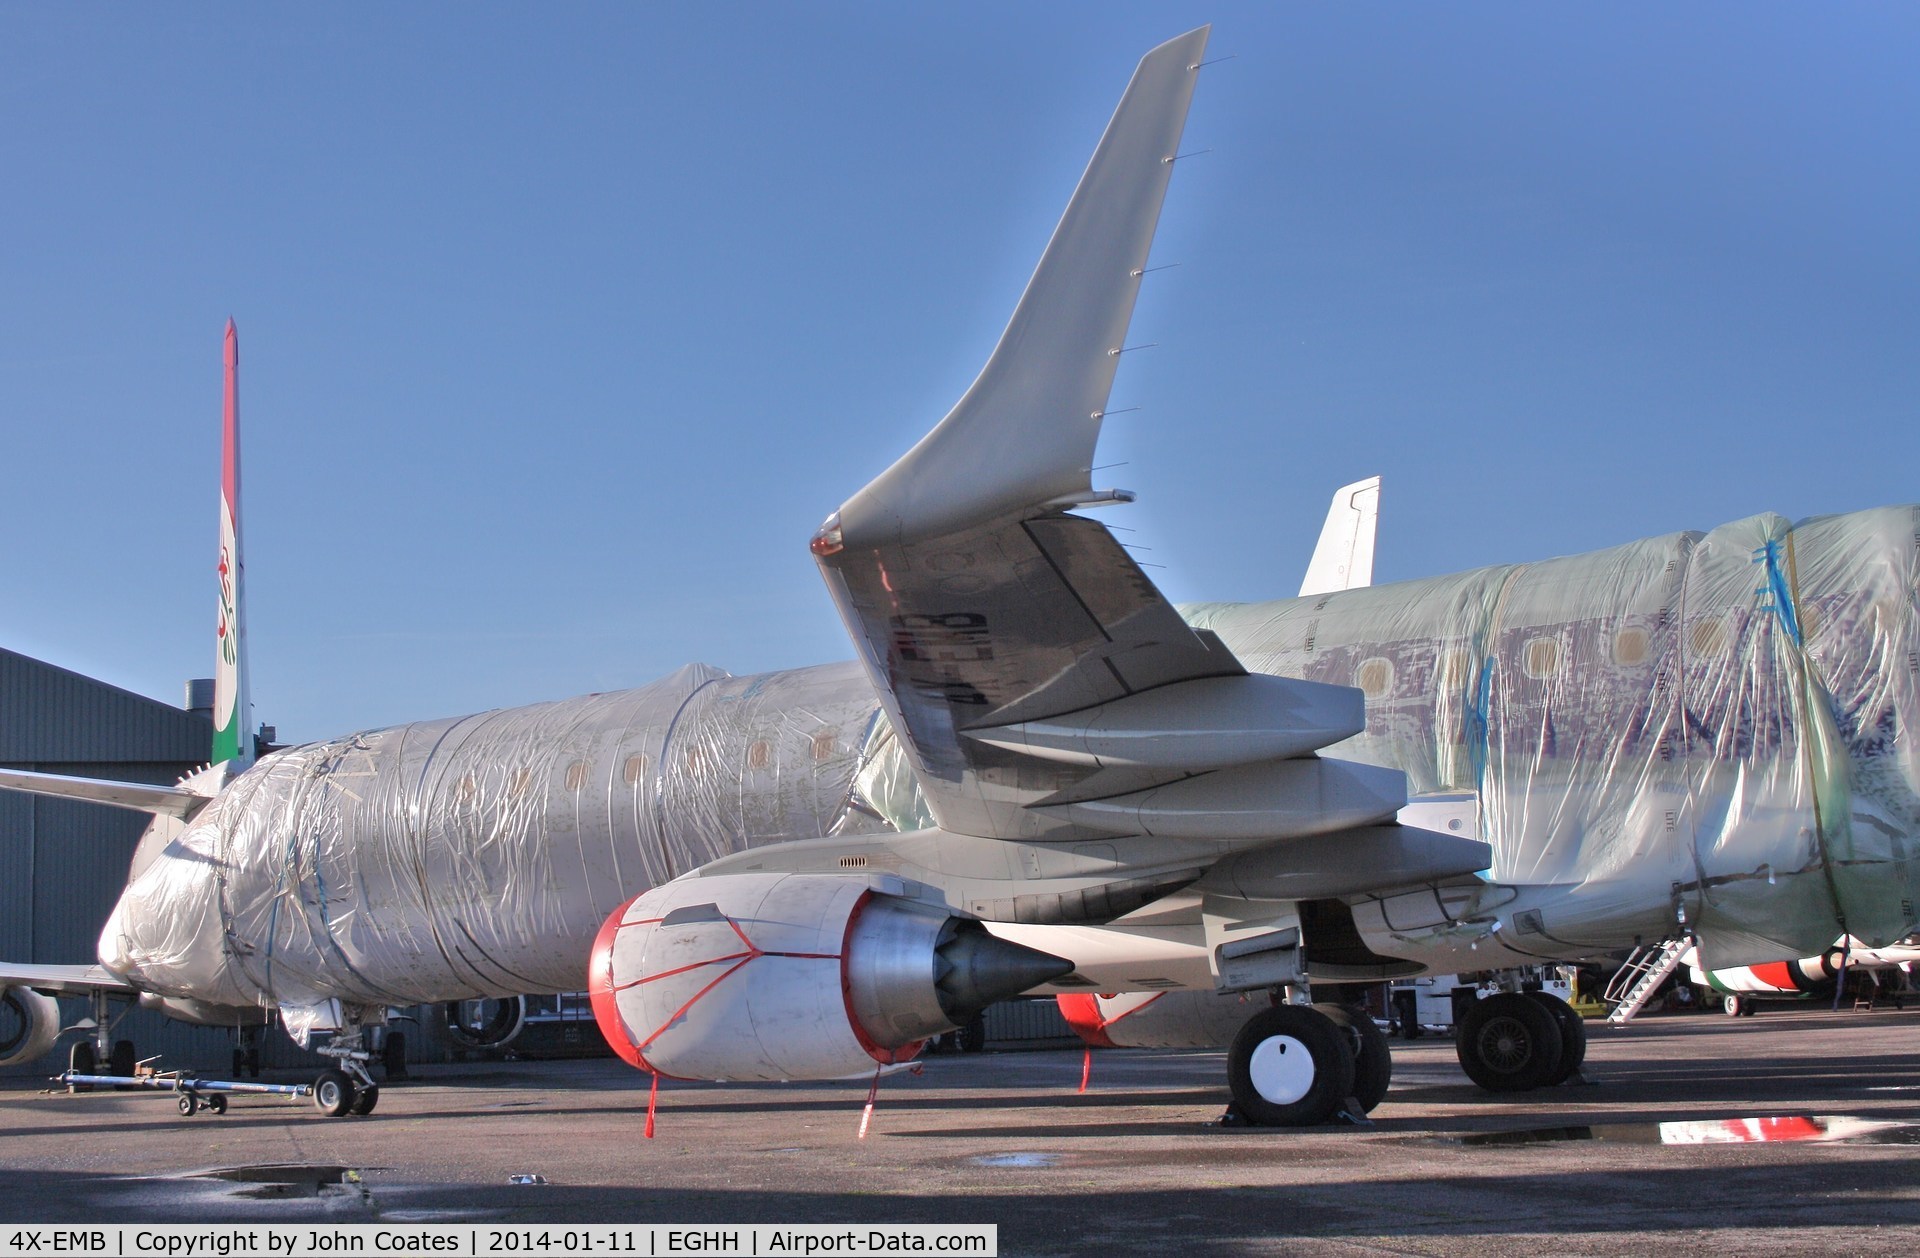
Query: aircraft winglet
(1024,433)
(1343,559)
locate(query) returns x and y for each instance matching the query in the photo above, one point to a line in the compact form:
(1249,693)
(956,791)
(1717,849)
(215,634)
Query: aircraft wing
(1041,684)
(69,979)
(172,801)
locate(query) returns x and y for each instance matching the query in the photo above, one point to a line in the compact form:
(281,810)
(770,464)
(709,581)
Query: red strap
(866,1115)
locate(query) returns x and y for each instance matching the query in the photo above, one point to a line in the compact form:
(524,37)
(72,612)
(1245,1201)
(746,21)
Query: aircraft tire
(393,1055)
(122,1061)
(333,1093)
(365,1099)
(1509,1043)
(1733,1006)
(80,1061)
(1573,1036)
(1372,1054)
(1289,1067)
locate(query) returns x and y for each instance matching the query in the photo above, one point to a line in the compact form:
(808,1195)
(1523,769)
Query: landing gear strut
(348,1088)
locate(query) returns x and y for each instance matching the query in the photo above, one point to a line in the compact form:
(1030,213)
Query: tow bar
(333,1092)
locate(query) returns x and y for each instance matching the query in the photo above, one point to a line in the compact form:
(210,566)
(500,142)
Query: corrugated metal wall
(62,862)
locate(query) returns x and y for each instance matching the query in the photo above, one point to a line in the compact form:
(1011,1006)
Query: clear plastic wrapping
(480,854)
(1720,723)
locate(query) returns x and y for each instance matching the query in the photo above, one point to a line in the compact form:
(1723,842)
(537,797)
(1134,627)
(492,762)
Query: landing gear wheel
(333,1093)
(189,1104)
(216,1104)
(122,1062)
(1733,1006)
(1573,1036)
(1372,1056)
(80,1061)
(1509,1043)
(365,1099)
(393,1055)
(1289,1067)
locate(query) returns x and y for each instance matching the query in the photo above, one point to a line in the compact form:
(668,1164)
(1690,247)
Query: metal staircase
(1646,968)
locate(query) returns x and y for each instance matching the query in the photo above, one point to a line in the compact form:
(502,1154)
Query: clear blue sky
(563,326)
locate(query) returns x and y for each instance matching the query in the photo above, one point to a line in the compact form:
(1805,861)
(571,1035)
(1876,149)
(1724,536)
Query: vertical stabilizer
(232,712)
(1343,559)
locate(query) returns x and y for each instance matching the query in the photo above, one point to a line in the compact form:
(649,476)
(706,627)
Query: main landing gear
(1301,1065)
(1518,1041)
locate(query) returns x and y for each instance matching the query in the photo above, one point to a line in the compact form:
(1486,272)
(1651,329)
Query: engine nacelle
(29,1025)
(792,976)
(485,1023)
(1170,1019)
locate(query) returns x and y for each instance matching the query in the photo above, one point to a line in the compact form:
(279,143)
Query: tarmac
(1135,1165)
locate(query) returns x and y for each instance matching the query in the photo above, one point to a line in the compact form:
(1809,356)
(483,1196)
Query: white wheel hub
(1281,1069)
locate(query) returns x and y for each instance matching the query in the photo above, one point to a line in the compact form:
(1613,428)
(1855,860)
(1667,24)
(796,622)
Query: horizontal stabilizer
(171,801)
(1343,559)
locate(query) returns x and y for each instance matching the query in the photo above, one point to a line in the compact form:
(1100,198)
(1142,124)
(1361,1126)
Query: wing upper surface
(974,598)
(1029,666)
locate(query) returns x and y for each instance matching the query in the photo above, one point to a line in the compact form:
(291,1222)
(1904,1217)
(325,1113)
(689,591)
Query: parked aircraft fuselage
(1715,728)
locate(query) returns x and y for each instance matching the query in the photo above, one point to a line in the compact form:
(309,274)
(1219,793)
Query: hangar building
(63,862)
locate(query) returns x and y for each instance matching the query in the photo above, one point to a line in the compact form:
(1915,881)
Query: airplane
(1741,987)
(1039,775)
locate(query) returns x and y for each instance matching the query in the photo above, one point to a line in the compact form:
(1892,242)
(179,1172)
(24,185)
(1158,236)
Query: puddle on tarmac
(1819,1128)
(1017,1160)
(286,1181)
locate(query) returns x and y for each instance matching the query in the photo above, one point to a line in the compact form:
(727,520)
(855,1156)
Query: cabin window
(1374,677)
(1708,637)
(635,771)
(1541,658)
(1630,647)
(576,775)
(465,788)
(518,781)
(759,754)
(823,744)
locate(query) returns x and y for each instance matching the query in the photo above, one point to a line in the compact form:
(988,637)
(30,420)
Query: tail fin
(1343,559)
(232,711)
